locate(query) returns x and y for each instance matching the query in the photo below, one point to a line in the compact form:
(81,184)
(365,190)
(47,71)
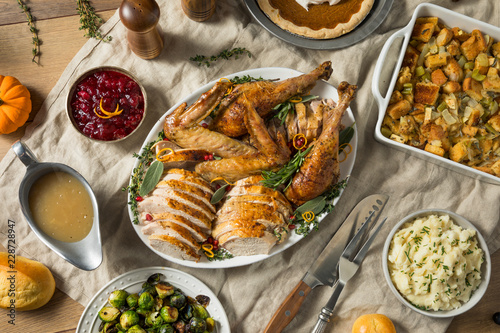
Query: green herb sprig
(35,51)
(146,157)
(226,54)
(283,176)
(245,79)
(221,254)
(322,204)
(283,109)
(89,21)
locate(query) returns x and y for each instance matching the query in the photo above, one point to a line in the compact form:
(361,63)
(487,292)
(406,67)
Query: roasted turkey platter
(176,218)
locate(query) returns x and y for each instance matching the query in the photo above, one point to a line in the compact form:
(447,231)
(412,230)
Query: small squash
(15,104)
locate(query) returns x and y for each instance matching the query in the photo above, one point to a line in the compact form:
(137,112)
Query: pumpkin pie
(319,21)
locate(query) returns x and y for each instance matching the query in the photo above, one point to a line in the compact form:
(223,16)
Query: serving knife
(324,270)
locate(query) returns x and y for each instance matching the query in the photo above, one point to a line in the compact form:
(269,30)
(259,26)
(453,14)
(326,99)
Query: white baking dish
(451,19)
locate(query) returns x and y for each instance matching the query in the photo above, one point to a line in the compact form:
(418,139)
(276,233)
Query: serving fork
(349,262)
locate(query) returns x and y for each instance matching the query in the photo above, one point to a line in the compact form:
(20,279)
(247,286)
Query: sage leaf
(315,205)
(345,136)
(219,194)
(151,178)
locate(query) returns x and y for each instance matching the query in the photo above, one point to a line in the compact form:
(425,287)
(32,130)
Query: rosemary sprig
(35,51)
(145,159)
(89,21)
(226,54)
(283,176)
(283,109)
(245,79)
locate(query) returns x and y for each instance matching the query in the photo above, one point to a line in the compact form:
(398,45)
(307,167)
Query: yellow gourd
(15,104)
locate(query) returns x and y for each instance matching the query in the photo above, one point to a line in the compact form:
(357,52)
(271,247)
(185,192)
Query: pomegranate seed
(292,217)
(300,142)
(139,198)
(291,226)
(204,125)
(217,186)
(216,247)
(206,157)
(166,139)
(210,240)
(228,188)
(210,157)
(216,242)
(149,217)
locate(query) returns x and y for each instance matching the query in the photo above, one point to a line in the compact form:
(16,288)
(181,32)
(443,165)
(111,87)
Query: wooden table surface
(58,23)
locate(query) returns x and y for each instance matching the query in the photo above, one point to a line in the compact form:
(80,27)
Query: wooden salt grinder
(140,17)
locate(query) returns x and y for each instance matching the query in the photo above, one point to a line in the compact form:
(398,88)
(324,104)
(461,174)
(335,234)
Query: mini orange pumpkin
(15,104)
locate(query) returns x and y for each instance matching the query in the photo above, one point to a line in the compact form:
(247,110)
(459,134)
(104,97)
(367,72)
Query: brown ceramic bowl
(96,98)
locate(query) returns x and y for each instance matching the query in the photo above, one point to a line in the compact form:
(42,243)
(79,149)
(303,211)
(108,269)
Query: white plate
(132,282)
(323,90)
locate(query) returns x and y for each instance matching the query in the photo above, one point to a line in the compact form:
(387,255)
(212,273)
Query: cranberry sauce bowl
(106,104)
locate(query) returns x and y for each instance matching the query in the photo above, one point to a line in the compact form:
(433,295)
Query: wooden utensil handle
(288,309)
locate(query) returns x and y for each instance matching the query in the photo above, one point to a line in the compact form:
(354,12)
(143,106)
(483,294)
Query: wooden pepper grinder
(141,17)
(198,10)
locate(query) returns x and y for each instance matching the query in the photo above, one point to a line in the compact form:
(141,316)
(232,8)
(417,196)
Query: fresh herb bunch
(35,51)
(226,54)
(221,254)
(283,176)
(322,204)
(145,159)
(89,21)
(283,109)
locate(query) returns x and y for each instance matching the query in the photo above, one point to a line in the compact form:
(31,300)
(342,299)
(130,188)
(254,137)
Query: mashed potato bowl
(434,261)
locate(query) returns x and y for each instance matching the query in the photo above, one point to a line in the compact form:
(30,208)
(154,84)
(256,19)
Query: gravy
(61,207)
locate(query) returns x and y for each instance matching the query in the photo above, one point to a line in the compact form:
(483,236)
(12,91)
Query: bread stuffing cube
(434,149)
(495,122)
(458,152)
(426,93)
(460,35)
(410,58)
(423,32)
(444,37)
(451,87)
(399,109)
(496,168)
(473,88)
(436,60)
(474,45)
(438,77)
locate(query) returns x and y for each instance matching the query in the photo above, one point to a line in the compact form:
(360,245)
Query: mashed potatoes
(435,264)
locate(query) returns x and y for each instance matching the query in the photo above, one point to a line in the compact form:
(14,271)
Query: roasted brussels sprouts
(155,278)
(197,325)
(179,326)
(178,300)
(143,312)
(146,287)
(136,329)
(159,302)
(108,327)
(128,319)
(154,319)
(187,312)
(109,313)
(164,289)
(146,301)
(203,300)
(120,328)
(169,314)
(166,328)
(118,298)
(210,324)
(133,300)
(199,311)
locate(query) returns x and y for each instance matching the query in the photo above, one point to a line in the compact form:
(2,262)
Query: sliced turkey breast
(158,205)
(164,219)
(181,186)
(279,230)
(192,180)
(185,198)
(173,230)
(173,247)
(276,205)
(260,190)
(248,241)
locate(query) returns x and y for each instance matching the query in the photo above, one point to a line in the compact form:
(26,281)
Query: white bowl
(485,267)
(452,19)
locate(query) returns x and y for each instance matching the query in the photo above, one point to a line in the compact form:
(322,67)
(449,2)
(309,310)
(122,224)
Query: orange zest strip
(222,178)
(308,216)
(162,157)
(345,153)
(294,139)
(97,114)
(107,113)
(207,248)
(295,99)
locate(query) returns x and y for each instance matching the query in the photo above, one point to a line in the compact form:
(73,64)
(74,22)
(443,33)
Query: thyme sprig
(89,21)
(35,51)
(221,254)
(226,54)
(146,157)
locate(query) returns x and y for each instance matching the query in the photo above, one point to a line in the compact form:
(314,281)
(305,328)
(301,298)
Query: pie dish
(321,21)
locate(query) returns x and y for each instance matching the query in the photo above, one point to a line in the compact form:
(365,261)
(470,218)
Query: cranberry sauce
(114,89)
